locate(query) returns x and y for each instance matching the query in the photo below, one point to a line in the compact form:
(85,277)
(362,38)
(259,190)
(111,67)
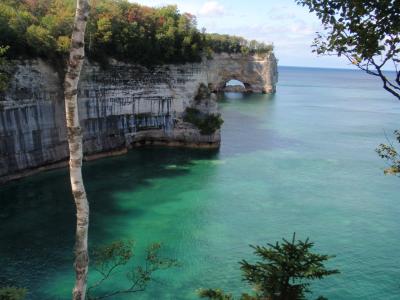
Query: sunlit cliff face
(120,106)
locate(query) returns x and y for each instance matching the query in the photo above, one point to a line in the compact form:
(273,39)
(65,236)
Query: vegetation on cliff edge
(116,28)
(206,123)
(3,74)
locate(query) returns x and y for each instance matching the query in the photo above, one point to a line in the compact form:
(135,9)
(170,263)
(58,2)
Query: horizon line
(334,68)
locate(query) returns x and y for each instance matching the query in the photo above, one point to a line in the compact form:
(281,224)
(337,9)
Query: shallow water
(302,160)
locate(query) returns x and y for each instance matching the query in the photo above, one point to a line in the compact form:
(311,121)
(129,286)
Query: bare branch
(387,85)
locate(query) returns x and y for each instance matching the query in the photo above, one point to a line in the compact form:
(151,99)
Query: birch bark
(75,62)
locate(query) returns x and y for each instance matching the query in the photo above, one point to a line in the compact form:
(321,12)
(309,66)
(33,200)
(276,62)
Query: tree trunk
(75,62)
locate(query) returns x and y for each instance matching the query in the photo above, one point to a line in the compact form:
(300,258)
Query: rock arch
(236,87)
(257,72)
(121,107)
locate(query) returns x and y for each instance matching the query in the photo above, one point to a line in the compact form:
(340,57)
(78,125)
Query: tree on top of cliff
(235,44)
(367,33)
(116,28)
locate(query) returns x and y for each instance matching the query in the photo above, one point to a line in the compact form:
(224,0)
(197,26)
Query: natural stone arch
(236,87)
(257,72)
(238,82)
(121,107)
(247,87)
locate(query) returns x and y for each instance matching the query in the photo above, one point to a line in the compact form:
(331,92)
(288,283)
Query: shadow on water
(38,216)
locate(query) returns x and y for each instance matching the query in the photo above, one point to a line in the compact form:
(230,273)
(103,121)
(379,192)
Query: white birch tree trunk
(75,62)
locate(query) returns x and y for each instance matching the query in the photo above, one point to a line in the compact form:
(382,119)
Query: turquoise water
(302,160)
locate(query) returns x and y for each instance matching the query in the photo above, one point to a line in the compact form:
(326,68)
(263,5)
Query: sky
(291,28)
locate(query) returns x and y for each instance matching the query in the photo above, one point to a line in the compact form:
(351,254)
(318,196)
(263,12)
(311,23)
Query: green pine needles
(284,271)
(12,293)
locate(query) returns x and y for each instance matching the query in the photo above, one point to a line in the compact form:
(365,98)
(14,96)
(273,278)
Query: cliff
(120,107)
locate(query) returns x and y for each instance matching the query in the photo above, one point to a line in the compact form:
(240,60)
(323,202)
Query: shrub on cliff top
(203,92)
(116,28)
(236,44)
(206,123)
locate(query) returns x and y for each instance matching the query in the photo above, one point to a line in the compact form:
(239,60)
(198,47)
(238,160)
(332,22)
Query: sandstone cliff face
(259,74)
(120,107)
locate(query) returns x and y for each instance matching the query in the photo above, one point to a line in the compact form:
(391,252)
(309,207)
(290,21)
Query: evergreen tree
(116,28)
(284,272)
(285,269)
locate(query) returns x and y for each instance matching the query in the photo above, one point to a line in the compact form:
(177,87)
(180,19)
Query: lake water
(299,161)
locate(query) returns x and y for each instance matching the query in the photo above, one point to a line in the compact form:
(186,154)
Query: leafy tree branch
(391,155)
(367,33)
(111,259)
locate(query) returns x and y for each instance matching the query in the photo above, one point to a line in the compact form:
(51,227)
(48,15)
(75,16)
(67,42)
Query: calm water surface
(302,160)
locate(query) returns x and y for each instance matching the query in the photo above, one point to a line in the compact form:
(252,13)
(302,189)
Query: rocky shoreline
(121,107)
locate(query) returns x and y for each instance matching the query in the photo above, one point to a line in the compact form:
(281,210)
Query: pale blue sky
(290,27)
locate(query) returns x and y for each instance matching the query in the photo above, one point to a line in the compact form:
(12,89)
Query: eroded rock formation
(258,73)
(120,107)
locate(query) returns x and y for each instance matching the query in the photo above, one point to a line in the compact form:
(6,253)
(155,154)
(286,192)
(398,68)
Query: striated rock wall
(120,107)
(259,74)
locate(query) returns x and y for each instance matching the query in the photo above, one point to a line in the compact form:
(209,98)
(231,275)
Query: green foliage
(118,256)
(391,155)
(216,294)
(203,92)
(39,38)
(63,44)
(285,269)
(365,32)
(116,28)
(210,124)
(207,123)
(4,78)
(235,44)
(12,293)
(284,272)
(115,254)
